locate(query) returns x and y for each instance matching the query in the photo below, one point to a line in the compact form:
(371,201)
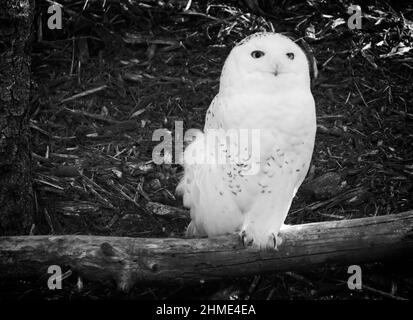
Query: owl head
(266,59)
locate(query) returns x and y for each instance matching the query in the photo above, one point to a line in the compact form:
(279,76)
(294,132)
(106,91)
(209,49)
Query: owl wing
(213,208)
(215,117)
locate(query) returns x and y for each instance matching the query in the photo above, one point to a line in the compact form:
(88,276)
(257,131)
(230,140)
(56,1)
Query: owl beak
(275,72)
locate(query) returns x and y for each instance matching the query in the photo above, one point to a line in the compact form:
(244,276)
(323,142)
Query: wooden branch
(127,261)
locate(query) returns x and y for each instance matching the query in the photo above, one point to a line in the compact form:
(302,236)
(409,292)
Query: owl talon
(272,243)
(242,236)
(276,241)
(244,239)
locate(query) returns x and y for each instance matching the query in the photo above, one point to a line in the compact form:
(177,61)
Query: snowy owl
(264,86)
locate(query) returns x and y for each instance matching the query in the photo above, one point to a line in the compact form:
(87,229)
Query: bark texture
(16,201)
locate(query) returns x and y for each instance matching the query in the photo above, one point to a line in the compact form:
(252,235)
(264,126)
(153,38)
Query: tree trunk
(16,201)
(126,261)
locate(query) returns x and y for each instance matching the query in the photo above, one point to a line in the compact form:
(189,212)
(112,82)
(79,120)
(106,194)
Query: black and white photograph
(202,157)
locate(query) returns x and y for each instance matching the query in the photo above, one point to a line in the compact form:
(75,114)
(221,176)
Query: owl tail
(192,231)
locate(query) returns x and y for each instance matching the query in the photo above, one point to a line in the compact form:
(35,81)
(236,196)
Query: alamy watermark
(55,19)
(354,22)
(55,280)
(355,280)
(239,147)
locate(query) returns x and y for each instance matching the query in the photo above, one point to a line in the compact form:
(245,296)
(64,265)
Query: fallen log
(127,261)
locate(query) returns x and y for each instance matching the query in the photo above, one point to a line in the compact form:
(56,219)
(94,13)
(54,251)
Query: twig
(84,93)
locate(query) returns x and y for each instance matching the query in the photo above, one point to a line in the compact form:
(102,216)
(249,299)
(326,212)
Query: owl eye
(257,54)
(290,55)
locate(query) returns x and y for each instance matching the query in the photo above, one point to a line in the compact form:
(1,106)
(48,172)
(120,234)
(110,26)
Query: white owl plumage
(264,85)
